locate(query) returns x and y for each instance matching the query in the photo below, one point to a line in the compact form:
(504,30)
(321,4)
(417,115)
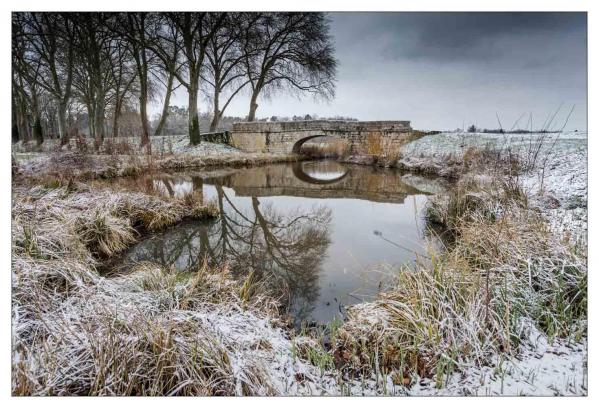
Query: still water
(322,234)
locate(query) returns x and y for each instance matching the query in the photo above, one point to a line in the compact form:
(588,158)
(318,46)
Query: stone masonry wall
(287,137)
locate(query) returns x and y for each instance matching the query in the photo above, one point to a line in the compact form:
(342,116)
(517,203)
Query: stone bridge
(288,137)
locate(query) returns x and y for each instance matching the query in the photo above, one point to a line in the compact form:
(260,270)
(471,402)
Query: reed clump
(152,333)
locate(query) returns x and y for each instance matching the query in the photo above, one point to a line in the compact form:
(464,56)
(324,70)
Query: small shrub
(81,144)
(374,144)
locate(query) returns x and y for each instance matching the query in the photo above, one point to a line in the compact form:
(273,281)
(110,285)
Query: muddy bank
(448,168)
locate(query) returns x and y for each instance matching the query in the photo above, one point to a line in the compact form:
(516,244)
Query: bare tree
(50,44)
(166,75)
(94,57)
(225,59)
(190,33)
(168,90)
(138,29)
(15,117)
(122,78)
(26,79)
(103,61)
(291,51)
(20,109)
(26,73)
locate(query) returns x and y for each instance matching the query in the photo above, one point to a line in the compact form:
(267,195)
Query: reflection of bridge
(318,179)
(301,174)
(288,137)
(279,180)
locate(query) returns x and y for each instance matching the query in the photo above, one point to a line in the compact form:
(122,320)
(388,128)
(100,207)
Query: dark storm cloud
(475,36)
(441,68)
(471,37)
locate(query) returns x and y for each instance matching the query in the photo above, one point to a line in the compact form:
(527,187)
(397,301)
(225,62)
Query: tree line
(104,64)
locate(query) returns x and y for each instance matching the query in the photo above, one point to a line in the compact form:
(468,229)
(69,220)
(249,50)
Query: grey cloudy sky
(442,69)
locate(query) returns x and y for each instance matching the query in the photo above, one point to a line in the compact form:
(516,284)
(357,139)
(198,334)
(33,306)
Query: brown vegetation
(338,148)
(504,274)
(61,167)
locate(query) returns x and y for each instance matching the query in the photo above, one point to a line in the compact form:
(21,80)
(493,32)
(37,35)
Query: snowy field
(559,182)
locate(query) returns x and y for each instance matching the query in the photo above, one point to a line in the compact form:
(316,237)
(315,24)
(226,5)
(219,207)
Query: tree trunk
(169,187)
(62,123)
(15,132)
(90,121)
(253,107)
(99,120)
(145,134)
(15,121)
(167,100)
(91,129)
(22,121)
(215,122)
(115,119)
(198,189)
(15,127)
(38,133)
(217,113)
(216,101)
(193,118)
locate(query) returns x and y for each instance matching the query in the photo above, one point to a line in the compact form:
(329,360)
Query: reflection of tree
(182,248)
(285,251)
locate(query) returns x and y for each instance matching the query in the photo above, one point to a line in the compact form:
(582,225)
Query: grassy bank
(505,279)
(472,302)
(504,275)
(152,332)
(61,167)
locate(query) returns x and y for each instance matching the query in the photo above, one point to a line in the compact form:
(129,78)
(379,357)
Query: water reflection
(317,244)
(284,249)
(319,172)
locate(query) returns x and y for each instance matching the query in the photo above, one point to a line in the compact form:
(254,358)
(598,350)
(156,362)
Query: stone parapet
(329,125)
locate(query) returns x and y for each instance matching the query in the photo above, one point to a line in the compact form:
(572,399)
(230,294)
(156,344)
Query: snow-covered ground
(176,144)
(558,185)
(180,145)
(541,368)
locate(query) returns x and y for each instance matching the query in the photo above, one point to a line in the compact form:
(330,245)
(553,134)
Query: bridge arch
(297,146)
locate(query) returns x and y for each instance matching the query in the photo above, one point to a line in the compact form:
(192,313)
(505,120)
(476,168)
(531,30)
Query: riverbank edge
(63,166)
(309,351)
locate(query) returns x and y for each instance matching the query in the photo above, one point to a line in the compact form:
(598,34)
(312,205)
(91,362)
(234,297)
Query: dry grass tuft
(374,144)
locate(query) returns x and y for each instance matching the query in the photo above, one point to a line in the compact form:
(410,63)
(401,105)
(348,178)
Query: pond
(323,235)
